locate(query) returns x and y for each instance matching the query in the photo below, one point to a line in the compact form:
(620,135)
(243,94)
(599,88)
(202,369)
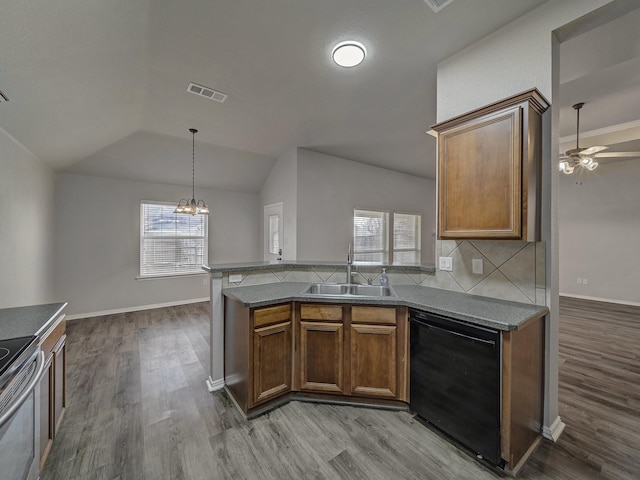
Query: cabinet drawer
(267,316)
(373,315)
(325,313)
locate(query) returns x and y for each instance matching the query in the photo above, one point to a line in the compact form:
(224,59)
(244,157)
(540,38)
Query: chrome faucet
(349,265)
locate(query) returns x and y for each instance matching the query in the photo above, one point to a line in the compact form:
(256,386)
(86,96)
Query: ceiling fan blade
(618,154)
(592,150)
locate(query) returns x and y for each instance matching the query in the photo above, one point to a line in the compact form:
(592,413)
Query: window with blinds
(374,240)
(171,243)
(370,236)
(407,244)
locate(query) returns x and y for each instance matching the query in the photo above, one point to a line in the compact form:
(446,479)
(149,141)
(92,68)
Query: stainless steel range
(21,367)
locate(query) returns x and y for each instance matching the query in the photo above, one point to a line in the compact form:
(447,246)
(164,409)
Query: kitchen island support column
(216,332)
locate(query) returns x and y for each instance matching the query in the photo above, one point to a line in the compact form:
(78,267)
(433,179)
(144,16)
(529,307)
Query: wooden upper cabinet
(489,168)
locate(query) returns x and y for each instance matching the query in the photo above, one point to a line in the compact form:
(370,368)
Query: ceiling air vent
(207,92)
(3,97)
(437,5)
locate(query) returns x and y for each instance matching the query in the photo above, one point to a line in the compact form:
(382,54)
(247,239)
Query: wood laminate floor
(138,409)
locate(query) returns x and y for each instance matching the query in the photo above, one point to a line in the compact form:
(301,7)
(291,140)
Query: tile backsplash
(512,270)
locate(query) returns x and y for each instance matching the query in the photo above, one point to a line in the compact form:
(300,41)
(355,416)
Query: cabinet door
(59,381)
(479,177)
(321,357)
(271,361)
(374,360)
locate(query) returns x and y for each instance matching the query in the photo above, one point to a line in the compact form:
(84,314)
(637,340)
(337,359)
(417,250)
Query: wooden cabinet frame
(268,360)
(53,395)
(489,169)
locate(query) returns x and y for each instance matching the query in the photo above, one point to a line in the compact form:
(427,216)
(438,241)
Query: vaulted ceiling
(100,87)
(601,67)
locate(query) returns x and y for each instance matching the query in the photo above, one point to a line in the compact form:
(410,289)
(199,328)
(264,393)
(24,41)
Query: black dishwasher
(455,380)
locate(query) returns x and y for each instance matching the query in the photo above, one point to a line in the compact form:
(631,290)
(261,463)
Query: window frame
(385,237)
(417,233)
(143,274)
(388,235)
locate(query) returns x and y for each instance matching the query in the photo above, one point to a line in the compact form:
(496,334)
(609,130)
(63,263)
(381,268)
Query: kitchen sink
(373,290)
(343,290)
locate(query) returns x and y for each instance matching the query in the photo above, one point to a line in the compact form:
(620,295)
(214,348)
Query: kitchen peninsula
(277,343)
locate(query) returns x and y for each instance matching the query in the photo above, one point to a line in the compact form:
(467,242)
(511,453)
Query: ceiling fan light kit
(586,157)
(579,157)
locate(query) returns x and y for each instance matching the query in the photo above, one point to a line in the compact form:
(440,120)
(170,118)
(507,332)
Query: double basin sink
(345,290)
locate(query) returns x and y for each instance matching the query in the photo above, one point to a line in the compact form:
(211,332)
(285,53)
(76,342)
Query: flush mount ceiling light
(192,207)
(349,54)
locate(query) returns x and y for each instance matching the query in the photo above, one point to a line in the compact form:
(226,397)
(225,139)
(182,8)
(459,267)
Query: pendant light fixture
(191,207)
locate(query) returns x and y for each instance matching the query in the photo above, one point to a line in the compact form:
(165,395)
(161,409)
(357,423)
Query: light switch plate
(477,266)
(446,264)
(235,278)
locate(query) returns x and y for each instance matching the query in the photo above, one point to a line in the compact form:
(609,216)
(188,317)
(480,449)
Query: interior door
(273,232)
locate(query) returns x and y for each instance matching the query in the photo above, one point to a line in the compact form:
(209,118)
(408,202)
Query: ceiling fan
(586,157)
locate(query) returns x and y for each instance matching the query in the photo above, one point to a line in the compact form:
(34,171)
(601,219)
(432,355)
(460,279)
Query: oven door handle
(27,391)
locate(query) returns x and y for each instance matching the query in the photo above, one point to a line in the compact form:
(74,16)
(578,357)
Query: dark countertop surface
(26,321)
(263,265)
(490,312)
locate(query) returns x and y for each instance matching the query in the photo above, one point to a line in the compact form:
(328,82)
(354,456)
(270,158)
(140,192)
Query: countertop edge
(538,311)
(52,319)
(235,267)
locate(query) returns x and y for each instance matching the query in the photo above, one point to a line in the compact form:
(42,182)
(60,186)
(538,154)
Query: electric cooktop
(11,349)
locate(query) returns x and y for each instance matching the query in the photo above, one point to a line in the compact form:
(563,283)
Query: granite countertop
(27,321)
(490,312)
(263,265)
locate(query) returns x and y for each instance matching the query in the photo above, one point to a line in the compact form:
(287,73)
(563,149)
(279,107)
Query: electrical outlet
(579,280)
(205,281)
(446,264)
(584,281)
(477,266)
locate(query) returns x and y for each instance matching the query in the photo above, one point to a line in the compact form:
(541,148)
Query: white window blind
(406,238)
(370,236)
(375,241)
(171,243)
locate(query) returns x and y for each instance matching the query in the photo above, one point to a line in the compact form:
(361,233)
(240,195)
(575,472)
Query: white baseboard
(554,431)
(77,316)
(600,299)
(214,385)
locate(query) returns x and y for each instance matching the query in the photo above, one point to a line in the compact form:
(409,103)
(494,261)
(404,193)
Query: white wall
(98,242)
(329,188)
(26,227)
(509,61)
(599,216)
(513,59)
(281,186)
